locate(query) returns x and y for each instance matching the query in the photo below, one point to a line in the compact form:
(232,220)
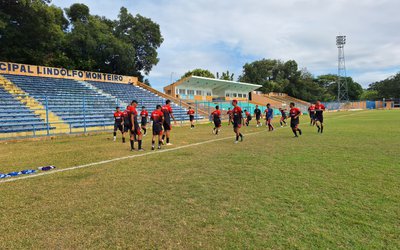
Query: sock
(322,128)
(284,122)
(280,123)
(299,131)
(168,140)
(115,134)
(294,132)
(123,139)
(152,143)
(140,144)
(132,146)
(216,131)
(145,130)
(159,143)
(163,137)
(240,134)
(237,138)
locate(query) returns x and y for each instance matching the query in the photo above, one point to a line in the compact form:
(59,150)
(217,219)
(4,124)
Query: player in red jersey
(294,121)
(229,113)
(216,115)
(157,116)
(191,117)
(311,112)
(283,117)
(144,115)
(167,110)
(119,123)
(127,121)
(135,128)
(248,117)
(237,119)
(319,116)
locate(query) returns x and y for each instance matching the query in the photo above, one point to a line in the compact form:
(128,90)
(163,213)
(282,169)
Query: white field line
(12,179)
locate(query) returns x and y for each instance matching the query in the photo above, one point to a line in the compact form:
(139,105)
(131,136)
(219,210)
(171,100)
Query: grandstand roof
(204,82)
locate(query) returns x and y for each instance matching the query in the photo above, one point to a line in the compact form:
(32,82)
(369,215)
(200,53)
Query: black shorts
(217,123)
(249,118)
(312,115)
(167,126)
(319,118)
(237,124)
(118,126)
(157,129)
(136,130)
(143,122)
(294,123)
(127,127)
(258,117)
(191,118)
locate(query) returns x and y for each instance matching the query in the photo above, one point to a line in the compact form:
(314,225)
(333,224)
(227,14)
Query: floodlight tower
(343,94)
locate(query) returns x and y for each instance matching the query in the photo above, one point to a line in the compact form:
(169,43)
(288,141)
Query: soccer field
(340,189)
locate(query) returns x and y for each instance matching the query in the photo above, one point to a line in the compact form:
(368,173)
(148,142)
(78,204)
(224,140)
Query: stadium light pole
(341,77)
(172,73)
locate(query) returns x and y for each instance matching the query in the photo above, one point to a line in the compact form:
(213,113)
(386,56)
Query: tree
(388,88)
(265,72)
(199,72)
(227,76)
(143,35)
(370,95)
(31,32)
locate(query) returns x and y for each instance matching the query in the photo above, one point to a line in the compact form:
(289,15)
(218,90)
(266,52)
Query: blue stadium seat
(16,117)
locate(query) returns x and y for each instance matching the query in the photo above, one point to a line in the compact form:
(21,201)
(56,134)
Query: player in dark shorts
(294,119)
(135,128)
(269,115)
(157,116)
(237,119)
(248,117)
(229,114)
(216,116)
(319,116)
(311,112)
(144,116)
(167,110)
(283,117)
(258,115)
(118,123)
(191,117)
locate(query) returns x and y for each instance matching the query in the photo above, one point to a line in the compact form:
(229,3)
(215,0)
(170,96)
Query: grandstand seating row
(78,104)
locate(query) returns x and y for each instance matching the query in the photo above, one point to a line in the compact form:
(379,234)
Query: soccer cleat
(296,136)
(319,129)
(300,132)
(162,142)
(140,149)
(159,147)
(152,147)
(169,144)
(236,142)
(114,139)
(132,149)
(213,131)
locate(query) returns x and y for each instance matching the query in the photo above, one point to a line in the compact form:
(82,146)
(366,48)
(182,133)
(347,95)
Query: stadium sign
(80,75)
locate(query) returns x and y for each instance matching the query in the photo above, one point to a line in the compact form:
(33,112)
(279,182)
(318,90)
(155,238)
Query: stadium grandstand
(38,100)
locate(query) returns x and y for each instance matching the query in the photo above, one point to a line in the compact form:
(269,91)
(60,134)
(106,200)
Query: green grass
(340,189)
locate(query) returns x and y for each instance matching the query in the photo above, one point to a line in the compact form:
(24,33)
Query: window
(208,93)
(227,94)
(190,92)
(198,92)
(182,91)
(234,95)
(240,95)
(244,95)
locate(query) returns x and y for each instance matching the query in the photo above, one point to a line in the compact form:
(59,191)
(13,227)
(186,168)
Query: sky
(221,35)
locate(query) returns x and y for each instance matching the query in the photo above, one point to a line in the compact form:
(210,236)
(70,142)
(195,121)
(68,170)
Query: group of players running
(127,121)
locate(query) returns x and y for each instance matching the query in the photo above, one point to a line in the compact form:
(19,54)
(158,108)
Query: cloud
(223,35)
